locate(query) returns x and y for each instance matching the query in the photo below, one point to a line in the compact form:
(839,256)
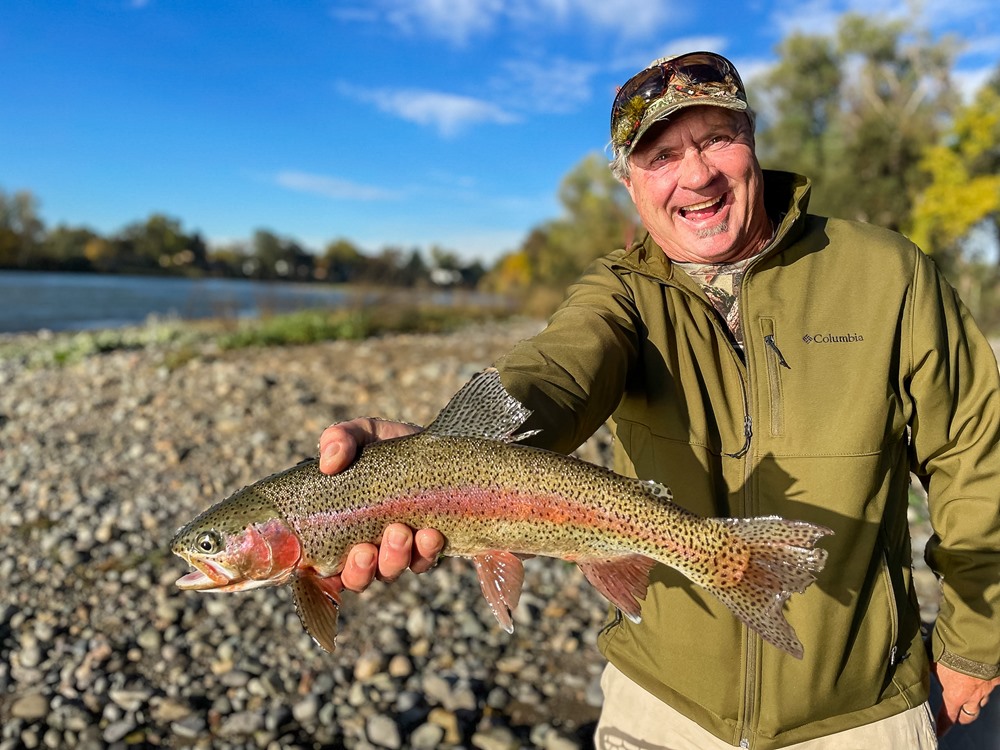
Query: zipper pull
(897,658)
(769,340)
(747,434)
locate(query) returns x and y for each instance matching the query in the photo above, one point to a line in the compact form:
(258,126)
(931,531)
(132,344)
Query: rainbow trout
(493,500)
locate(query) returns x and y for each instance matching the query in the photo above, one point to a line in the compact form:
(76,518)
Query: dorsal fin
(482,408)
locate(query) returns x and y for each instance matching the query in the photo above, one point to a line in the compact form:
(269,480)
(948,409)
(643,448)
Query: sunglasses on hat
(670,84)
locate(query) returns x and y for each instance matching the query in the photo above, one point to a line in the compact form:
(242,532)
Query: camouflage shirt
(721,283)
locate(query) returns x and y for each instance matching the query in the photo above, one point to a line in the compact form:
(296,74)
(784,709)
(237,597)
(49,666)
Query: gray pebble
(427,737)
(495,738)
(130,700)
(30,707)
(305,710)
(382,731)
(117,730)
(241,724)
(150,639)
(30,656)
(189,727)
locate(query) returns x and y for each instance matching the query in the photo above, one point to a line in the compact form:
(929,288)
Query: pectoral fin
(622,581)
(501,575)
(317,602)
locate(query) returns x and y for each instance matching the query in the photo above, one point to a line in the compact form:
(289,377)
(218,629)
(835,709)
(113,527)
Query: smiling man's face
(697,185)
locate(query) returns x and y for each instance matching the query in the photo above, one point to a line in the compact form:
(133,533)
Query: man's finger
(427,546)
(338,445)
(395,551)
(359,570)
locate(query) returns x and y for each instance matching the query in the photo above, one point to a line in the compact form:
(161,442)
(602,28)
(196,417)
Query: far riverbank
(59,301)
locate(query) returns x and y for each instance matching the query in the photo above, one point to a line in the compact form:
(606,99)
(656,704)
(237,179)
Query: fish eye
(209,542)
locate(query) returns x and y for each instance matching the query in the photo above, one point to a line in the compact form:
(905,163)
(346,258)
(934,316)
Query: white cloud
(449,114)
(812,17)
(460,21)
(331,187)
(971,81)
(453,20)
(556,85)
(636,60)
(820,17)
(985,46)
(624,18)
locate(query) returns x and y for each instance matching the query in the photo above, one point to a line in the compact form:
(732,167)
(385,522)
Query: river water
(31,301)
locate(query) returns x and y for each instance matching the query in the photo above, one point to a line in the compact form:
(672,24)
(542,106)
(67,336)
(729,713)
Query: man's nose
(696,170)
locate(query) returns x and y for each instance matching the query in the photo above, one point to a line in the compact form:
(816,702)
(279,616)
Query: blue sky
(386,122)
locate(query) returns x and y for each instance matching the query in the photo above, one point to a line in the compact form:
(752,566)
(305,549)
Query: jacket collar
(786,198)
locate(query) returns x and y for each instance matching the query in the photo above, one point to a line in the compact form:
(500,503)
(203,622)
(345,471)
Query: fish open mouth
(207,575)
(210,575)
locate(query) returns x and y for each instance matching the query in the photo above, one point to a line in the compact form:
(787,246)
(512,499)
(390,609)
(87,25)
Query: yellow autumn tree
(965,186)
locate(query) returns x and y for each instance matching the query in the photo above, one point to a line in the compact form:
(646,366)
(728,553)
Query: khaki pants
(632,719)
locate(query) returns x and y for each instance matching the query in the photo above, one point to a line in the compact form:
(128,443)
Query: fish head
(241,543)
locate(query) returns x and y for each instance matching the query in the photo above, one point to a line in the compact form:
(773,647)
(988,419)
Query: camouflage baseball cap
(670,84)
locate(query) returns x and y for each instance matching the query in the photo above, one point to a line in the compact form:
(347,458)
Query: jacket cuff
(969,667)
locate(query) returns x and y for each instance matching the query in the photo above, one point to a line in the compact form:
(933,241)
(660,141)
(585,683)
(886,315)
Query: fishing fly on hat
(668,85)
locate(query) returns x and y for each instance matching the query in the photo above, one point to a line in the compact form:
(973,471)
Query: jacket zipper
(753,643)
(750,640)
(769,340)
(775,361)
(894,656)
(893,614)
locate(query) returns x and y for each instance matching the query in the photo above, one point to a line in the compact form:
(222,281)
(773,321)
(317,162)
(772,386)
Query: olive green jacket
(860,364)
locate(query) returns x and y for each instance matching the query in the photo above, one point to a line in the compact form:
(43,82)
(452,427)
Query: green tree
(855,111)
(804,99)
(266,250)
(277,258)
(598,217)
(21,230)
(152,243)
(66,247)
(341,261)
(159,242)
(231,259)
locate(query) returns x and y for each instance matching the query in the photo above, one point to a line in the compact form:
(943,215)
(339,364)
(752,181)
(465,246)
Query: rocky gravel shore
(101,459)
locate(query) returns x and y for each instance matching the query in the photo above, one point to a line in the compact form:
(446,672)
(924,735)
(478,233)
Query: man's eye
(719,141)
(665,156)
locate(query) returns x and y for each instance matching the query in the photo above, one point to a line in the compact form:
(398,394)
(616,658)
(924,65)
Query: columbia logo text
(833,338)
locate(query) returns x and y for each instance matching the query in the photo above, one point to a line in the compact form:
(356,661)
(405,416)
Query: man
(760,360)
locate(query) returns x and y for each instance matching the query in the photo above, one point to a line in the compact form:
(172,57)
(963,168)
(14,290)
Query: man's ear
(628,186)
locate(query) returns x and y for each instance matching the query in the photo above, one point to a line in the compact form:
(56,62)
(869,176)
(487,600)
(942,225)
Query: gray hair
(619,165)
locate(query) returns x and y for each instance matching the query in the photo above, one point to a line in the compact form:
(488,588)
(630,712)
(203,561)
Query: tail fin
(783,561)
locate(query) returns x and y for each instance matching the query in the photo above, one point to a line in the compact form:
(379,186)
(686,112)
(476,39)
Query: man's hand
(963,697)
(339,442)
(401,548)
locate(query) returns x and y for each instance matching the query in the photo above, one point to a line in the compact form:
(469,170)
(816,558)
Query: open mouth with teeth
(207,575)
(703,210)
(210,575)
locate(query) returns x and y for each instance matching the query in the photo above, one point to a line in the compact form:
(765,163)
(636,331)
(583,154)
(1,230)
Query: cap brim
(656,114)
